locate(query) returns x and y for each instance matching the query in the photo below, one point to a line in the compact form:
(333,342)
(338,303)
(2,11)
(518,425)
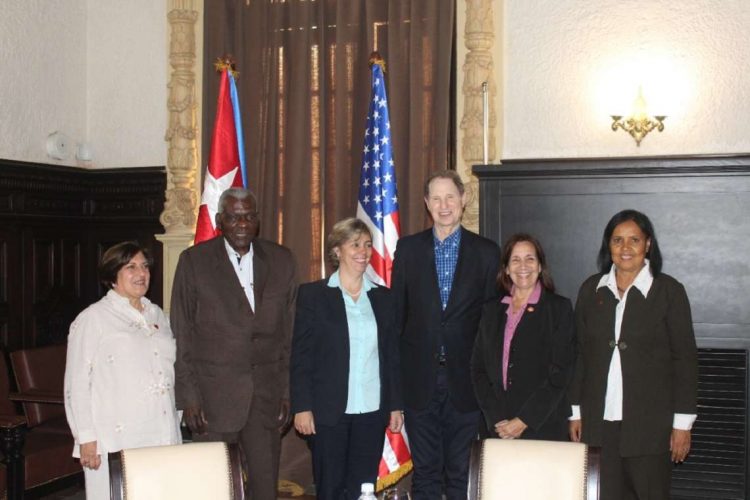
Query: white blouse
(119,377)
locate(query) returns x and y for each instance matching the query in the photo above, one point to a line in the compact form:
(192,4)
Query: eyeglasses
(232,219)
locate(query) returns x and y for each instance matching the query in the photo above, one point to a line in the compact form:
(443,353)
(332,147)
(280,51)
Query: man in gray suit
(232,309)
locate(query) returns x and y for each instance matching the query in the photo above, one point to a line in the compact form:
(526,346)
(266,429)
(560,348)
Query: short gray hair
(343,231)
(444,174)
(238,193)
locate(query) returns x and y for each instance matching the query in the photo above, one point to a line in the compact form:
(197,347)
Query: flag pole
(379,209)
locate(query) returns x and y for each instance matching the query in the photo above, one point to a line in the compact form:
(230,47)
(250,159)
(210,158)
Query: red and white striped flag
(226,161)
(378,207)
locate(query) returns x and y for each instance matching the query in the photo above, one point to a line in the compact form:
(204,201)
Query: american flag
(378,207)
(378,197)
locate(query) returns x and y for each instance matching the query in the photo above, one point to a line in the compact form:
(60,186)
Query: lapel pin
(530,309)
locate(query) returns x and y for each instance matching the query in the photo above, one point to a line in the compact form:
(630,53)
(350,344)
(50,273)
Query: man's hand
(89,458)
(679,443)
(574,429)
(195,419)
(510,429)
(304,423)
(284,418)
(396,421)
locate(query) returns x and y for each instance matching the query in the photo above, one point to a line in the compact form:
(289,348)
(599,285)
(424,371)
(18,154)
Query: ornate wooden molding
(479,38)
(54,224)
(180,207)
(39,190)
(619,168)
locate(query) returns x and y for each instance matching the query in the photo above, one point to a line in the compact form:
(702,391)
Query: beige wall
(42,75)
(94,70)
(569,65)
(126,89)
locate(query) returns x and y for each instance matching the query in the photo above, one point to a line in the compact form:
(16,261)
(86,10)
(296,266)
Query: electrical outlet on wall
(58,146)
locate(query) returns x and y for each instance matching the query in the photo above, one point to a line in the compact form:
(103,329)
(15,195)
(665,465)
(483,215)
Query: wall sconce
(639,124)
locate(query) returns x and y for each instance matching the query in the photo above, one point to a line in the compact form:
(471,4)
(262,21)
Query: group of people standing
(468,340)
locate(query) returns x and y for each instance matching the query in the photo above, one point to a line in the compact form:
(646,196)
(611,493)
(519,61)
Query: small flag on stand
(378,208)
(226,161)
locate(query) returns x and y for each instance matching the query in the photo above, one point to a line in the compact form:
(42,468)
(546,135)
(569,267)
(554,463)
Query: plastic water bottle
(367,492)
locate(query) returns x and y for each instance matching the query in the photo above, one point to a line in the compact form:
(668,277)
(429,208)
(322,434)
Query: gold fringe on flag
(394,477)
(226,62)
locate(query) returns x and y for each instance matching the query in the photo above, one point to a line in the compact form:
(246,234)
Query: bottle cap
(368,488)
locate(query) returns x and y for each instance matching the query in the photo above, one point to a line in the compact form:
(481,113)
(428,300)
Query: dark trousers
(347,454)
(440,439)
(644,477)
(262,449)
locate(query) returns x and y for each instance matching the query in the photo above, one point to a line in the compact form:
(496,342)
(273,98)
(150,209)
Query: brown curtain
(304,89)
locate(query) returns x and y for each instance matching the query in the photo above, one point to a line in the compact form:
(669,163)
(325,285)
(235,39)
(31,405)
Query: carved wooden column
(182,195)
(479,38)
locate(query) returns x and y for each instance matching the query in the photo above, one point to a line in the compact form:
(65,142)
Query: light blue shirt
(364,363)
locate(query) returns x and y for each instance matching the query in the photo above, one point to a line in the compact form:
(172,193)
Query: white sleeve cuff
(576,412)
(683,421)
(86,436)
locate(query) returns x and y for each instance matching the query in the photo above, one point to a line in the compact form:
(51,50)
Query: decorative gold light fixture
(639,124)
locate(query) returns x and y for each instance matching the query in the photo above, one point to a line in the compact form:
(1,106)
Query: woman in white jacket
(119,376)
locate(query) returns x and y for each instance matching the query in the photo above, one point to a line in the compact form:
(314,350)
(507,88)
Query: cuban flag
(226,161)
(378,207)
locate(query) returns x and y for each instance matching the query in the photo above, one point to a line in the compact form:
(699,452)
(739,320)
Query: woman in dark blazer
(525,349)
(635,385)
(344,367)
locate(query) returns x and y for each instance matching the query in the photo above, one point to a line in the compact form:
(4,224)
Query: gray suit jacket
(229,356)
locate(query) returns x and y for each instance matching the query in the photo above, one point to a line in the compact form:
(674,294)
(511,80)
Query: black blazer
(542,355)
(423,323)
(319,379)
(659,362)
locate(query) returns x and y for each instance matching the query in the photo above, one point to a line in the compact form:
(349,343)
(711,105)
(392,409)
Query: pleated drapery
(304,89)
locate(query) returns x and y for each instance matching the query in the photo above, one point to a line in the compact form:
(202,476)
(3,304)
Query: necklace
(351,293)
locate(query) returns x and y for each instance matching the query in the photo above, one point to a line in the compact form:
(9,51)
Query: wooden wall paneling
(698,205)
(70,265)
(40,276)
(54,224)
(54,272)
(10,277)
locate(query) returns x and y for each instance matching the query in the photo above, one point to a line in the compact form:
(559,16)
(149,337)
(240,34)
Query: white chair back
(185,472)
(533,470)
